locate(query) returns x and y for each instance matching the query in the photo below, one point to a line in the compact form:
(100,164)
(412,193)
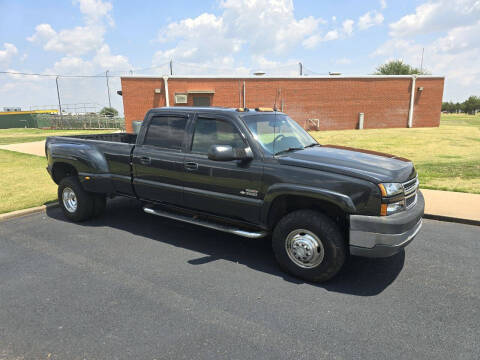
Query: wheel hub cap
(304,248)
(69,200)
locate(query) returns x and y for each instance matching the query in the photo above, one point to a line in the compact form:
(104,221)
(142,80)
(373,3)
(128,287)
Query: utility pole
(108,89)
(171,67)
(421,63)
(300,65)
(59,103)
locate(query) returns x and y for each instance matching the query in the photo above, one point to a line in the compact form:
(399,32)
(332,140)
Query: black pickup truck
(249,172)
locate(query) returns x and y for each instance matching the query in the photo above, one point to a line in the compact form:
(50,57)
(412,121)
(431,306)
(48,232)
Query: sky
(89,37)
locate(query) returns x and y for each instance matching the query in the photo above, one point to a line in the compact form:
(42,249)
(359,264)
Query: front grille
(410,190)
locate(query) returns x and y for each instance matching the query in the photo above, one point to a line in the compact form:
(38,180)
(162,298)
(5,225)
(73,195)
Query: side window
(166,132)
(210,132)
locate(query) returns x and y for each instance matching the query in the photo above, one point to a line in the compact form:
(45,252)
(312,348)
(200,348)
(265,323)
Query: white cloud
(95,10)
(106,60)
(454,52)
(8,53)
(383,4)
(79,40)
(83,52)
(347,27)
(370,19)
(261,27)
(437,16)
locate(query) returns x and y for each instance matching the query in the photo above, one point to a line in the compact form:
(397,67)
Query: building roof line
(283,77)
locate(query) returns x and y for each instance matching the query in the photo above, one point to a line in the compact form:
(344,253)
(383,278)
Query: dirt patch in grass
(15,136)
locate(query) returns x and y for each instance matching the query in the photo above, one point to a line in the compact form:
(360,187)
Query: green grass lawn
(446,158)
(15,136)
(24,182)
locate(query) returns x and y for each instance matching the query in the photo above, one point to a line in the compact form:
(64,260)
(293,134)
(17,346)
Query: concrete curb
(23,212)
(451,219)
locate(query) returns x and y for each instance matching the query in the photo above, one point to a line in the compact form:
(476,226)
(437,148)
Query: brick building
(320,102)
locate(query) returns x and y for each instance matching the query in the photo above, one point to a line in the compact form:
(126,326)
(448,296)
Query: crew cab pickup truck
(250,172)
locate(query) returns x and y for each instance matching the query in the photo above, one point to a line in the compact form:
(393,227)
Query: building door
(201,100)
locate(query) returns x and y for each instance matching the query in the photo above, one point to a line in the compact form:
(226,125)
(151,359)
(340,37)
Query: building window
(201,100)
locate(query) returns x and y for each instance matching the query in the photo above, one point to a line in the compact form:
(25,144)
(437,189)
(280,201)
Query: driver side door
(224,188)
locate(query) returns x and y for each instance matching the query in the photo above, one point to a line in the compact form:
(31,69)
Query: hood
(369,165)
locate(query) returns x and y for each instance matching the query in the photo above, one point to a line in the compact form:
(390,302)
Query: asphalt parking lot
(133,286)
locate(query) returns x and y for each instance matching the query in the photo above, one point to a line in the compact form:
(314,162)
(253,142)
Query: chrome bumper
(382,236)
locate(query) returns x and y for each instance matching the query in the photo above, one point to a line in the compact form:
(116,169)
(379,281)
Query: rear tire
(76,203)
(309,245)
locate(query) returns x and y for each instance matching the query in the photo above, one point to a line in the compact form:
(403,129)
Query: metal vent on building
(180,98)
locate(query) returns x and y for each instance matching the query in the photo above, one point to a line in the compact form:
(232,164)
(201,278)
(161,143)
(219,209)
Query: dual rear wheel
(76,203)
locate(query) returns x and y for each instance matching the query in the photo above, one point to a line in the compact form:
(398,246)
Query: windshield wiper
(288,150)
(312,144)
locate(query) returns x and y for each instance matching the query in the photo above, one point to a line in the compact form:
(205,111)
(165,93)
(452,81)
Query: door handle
(191,166)
(145,160)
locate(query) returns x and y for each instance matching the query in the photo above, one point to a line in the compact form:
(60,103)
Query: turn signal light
(383,210)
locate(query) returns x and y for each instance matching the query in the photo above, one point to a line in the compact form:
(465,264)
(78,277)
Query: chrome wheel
(69,200)
(304,248)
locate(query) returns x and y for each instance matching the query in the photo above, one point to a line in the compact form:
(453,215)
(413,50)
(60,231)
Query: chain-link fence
(81,121)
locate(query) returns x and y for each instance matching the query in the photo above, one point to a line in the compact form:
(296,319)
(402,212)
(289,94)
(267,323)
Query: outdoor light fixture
(420,88)
(158,91)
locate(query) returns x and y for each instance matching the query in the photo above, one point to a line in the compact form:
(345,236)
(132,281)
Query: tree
(398,67)
(109,111)
(471,105)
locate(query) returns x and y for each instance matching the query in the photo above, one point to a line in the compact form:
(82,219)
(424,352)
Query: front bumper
(382,236)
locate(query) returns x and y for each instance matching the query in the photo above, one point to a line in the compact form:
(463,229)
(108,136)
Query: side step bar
(205,223)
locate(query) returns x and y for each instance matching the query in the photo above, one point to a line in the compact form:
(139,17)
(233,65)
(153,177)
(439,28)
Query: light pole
(108,89)
(59,103)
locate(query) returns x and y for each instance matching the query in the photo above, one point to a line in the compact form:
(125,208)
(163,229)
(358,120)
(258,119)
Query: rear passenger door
(225,188)
(158,160)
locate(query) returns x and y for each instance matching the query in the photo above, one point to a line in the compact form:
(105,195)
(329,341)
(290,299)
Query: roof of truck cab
(211,109)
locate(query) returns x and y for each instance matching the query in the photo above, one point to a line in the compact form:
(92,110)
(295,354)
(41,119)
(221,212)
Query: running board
(207,224)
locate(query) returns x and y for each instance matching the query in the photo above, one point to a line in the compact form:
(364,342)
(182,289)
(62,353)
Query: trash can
(136,125)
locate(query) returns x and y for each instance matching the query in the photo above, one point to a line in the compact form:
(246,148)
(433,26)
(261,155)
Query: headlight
(391,189)
(393,200)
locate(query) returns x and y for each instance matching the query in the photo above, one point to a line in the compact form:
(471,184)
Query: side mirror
(227,153)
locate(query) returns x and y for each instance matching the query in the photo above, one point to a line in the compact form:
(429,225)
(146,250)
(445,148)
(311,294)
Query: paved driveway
(134,286)
(32,148)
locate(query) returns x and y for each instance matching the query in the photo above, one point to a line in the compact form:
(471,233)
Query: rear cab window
(166,132)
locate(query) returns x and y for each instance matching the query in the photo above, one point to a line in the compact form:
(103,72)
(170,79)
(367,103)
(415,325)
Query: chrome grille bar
(410,188)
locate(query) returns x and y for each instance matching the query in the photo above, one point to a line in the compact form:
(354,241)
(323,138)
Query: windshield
(278,133)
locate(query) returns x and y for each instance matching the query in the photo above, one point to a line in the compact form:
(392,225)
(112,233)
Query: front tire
(309,245)
(76,203)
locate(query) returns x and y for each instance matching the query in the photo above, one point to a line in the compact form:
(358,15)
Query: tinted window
(210,132)
(166,132)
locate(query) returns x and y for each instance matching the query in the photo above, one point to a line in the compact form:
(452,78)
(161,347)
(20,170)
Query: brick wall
(335,102)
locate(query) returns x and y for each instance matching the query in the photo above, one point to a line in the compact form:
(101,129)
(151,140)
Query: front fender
(341,200)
